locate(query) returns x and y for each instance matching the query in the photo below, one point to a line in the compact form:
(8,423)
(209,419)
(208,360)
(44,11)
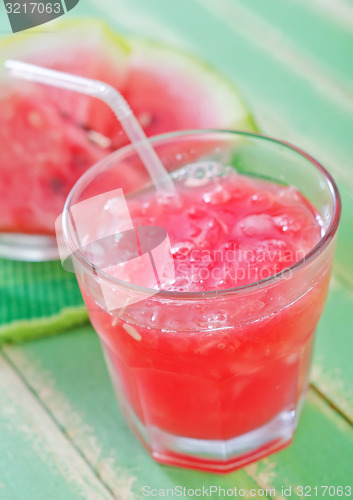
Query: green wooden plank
(36,460)
(340,11)
(69,376)
(239,52)
(332,372)
(307,27)
(321,454)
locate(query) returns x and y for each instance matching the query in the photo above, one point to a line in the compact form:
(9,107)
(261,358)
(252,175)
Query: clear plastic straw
(114,100)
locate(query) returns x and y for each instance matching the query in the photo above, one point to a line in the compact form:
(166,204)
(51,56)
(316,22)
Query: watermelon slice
(169,90)
(82,47)
(49,137)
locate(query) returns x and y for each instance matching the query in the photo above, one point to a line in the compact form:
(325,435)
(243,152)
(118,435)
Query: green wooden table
(61,433)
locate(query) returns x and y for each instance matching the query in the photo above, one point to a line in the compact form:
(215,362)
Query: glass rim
(208,294)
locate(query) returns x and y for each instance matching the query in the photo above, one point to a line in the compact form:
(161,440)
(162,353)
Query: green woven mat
(37,298)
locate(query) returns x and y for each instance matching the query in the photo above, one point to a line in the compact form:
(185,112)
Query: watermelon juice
(211,368)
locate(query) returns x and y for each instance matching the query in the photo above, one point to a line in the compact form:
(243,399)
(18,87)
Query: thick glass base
(210,455)
(213,455)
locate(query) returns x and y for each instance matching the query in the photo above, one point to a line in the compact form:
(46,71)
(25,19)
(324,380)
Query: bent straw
(114,100)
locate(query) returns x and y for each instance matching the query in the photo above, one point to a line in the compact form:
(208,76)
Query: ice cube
(257,225)
(262,200)
(287,223)
(217,195)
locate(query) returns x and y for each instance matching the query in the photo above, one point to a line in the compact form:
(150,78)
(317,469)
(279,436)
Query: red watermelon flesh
(42,154)
(46,141)
(169,90)
(82,47)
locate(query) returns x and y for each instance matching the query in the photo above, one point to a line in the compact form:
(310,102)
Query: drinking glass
(209,380)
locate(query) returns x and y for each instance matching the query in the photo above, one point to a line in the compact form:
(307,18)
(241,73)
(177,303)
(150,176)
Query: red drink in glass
(211,369)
